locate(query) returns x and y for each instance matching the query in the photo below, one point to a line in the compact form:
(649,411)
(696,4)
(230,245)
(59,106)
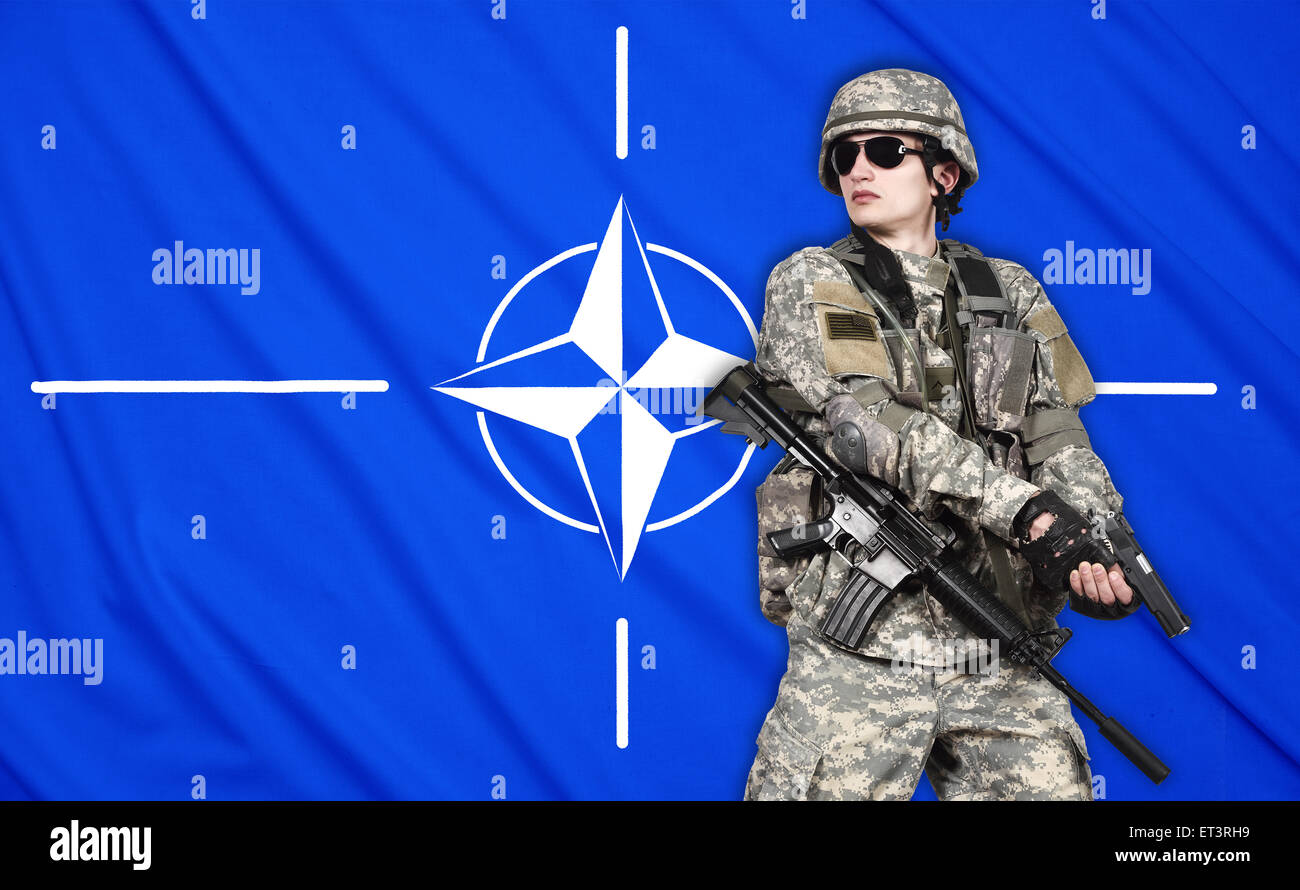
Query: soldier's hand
(1089,579)
(1092,581)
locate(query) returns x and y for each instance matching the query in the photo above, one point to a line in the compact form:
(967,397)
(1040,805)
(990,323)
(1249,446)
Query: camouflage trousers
(851,727)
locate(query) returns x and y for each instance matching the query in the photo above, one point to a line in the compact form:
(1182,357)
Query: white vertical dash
(620,682)
(620,92)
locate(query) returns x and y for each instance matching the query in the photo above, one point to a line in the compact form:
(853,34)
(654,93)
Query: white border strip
(170,386)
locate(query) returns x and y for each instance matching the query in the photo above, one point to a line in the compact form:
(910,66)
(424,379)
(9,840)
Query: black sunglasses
(883,151)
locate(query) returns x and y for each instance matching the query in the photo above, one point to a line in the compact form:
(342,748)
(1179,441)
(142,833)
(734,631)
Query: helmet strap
(944,204)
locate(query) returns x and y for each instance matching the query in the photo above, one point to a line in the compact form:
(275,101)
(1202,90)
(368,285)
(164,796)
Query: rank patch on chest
(849,326)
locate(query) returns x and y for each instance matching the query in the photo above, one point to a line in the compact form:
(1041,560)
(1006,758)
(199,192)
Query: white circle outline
(482,419)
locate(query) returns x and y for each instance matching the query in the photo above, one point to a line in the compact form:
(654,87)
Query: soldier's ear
(950,175)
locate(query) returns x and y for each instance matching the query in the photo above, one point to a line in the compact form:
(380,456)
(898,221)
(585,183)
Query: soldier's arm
(910,449)
(1057,449)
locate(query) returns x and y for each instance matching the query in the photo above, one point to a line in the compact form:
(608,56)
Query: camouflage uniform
(863,723)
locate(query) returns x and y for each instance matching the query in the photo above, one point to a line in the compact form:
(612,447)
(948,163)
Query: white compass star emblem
(598,330)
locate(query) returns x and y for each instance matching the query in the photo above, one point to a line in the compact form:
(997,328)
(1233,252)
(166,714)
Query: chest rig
(992,360)
(992,364)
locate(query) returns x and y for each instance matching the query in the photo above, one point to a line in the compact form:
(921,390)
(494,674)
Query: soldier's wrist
(1030,510)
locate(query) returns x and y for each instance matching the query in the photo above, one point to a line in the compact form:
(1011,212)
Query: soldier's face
(887,199)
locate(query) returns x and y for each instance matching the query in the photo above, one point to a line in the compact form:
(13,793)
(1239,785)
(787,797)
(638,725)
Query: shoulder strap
(847,248)
(853,266)
(981,291)
(952,244)
(979,286)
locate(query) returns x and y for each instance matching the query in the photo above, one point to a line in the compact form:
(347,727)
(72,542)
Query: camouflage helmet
(897,99)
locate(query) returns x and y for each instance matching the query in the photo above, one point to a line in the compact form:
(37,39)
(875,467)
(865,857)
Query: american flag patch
(849,326)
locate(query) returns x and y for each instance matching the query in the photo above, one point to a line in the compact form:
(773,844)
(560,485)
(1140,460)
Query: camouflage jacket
(805,344)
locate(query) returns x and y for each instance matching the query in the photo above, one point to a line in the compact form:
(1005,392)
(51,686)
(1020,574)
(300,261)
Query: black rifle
(871,526)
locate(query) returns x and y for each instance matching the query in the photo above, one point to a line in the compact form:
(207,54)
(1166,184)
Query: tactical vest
(975,296)
(993,364)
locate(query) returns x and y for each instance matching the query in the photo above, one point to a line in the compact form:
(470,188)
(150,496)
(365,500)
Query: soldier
(951,376)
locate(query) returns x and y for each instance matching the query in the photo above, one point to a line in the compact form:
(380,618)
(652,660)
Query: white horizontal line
(167,386)
(1156,389)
